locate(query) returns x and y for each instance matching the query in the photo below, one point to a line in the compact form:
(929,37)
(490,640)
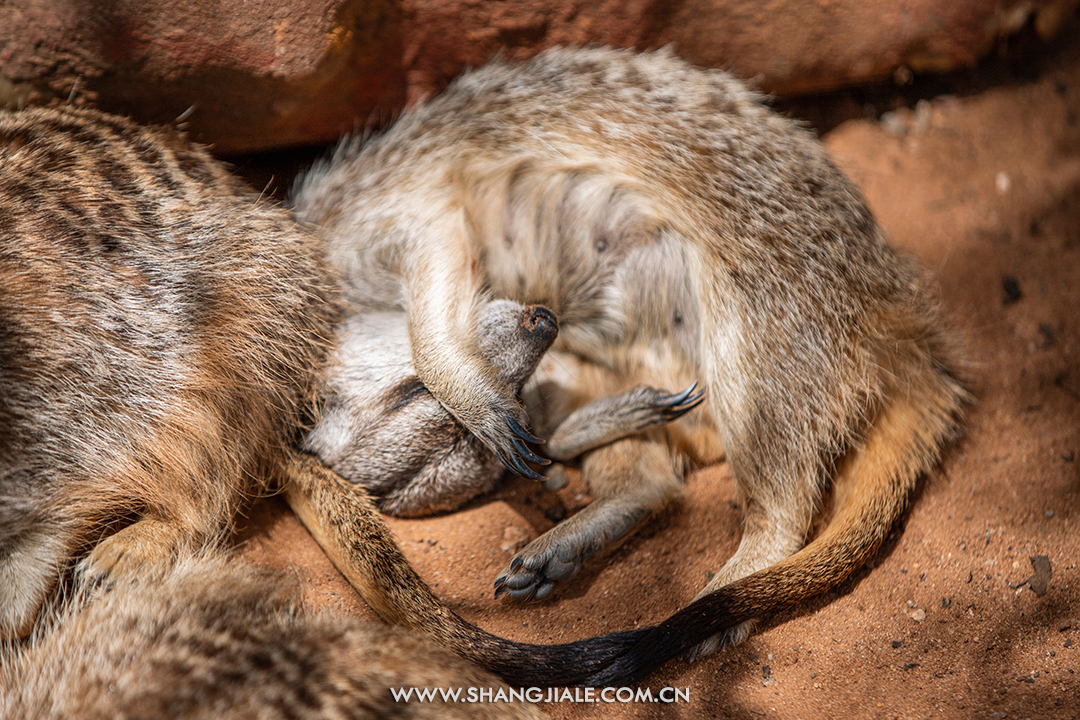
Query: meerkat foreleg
(611,418)
(631,478)
(443,311)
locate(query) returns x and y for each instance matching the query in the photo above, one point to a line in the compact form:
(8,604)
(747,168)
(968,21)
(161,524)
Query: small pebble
(1003,183)
(1011,293)
(893,124)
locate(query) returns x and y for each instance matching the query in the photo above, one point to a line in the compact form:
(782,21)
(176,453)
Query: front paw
(511,450)
(656,407)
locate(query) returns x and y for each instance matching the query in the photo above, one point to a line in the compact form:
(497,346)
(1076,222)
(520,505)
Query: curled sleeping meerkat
(212,638)
(680,230)
(163,335)
(379,426)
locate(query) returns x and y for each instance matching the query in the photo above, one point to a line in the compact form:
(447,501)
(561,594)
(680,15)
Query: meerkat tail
(346,524)
(872,485)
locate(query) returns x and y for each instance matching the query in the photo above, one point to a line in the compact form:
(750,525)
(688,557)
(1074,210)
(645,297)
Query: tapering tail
(344,521)
(872,485)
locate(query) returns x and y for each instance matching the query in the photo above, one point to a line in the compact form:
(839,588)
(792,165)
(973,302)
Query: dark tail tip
(525,665)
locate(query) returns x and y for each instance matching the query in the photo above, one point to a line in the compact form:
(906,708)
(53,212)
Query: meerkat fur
(213,638)
(163,337)
(680,230)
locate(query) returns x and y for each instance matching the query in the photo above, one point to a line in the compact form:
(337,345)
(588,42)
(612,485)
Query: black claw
(528,454)
(518,467)
(691,403)
(695,400)
(521,432)
(500,591)
(678,398)
(515,563)
(525,471)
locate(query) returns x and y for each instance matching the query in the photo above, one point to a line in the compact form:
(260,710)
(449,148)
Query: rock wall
(262,74)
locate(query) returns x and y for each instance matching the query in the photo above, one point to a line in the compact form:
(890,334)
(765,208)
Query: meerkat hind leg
(611,418)
(632,478)
(768,537)
(147,544)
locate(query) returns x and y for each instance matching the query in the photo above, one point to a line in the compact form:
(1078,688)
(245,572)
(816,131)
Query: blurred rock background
(255,75)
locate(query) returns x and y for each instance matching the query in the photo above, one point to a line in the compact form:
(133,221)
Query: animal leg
(443,298)
(768,537)
(146,544)
(611,418)
(631,478)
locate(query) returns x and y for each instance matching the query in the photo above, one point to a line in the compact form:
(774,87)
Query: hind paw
(534,571)
(722,640)
(142,547)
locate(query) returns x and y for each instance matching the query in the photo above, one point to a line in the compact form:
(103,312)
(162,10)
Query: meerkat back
(160,332)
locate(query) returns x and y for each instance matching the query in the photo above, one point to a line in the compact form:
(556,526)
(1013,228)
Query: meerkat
(379,426)
(163,336)
(679,229)
(211,638)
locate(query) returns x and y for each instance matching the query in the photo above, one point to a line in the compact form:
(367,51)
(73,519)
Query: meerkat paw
(145,546)
(722,640)
(499,423)
(551,558)
(656,407)
(556,556)
(517,453)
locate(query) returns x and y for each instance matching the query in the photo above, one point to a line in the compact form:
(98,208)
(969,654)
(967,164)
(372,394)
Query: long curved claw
(515,465)
(677,398)
(528,454)
(673,407)
(691,403)
(521,432)
(514,460)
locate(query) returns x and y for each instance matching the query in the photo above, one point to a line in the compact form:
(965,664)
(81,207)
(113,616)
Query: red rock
(262,74)
(275,73)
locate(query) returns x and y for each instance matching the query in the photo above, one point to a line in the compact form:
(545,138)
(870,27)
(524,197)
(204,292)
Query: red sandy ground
(984,188)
